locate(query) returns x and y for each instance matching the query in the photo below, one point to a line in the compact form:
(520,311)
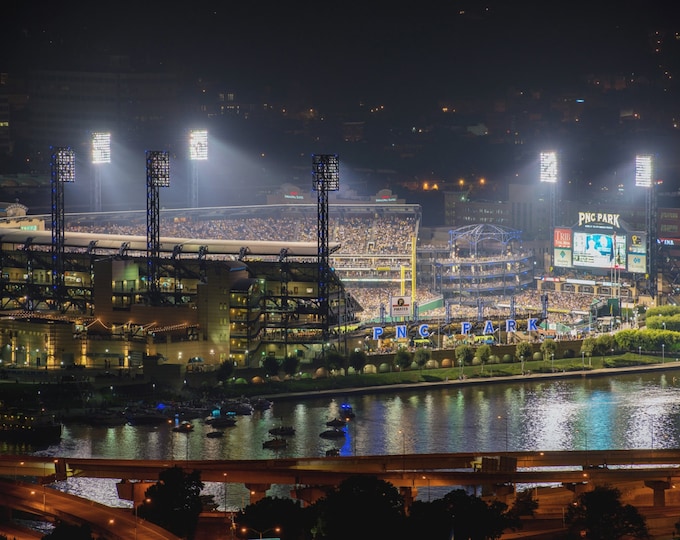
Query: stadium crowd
(367,241)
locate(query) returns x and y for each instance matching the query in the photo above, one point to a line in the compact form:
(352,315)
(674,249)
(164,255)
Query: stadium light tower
(63,166)
(198,151)
(325,178)
(548,175)
(101,155)
(644,169)
(157,176)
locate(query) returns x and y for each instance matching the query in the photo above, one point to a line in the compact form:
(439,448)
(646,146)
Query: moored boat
(183,427)
(214,434)
(276,442)
(347,412)
(336,422)
(333,433)
(282,431)
(30,427)
(260,404)
(221,421)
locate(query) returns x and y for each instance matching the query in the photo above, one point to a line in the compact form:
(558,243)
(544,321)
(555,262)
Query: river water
(599,413)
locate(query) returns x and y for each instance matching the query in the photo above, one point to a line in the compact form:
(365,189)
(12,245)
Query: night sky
(346,58)
(355,50)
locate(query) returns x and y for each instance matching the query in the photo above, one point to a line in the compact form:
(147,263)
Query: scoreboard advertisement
(600,242)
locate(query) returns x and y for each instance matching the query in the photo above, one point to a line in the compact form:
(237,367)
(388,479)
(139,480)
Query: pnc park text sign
(401,330)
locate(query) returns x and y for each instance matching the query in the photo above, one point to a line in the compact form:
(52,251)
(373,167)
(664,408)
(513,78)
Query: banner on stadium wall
(562,238)
(638,243)
(637,263)
(562,258)
(400,306)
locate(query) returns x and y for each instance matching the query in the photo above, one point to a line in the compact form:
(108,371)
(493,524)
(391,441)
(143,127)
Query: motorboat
(336,422)
(333,452)
(241,407)
(346,411)
(183,427)
(282,431)
(333,433)
(214,434)
(221,421)
(275,443)
(260,404)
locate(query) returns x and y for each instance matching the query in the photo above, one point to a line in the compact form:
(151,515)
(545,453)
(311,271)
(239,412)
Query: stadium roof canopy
(167,244)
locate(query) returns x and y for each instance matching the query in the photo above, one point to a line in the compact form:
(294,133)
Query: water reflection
(621,412)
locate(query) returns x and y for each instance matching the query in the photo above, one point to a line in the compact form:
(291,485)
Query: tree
(523,350)
(334,360)
(483,353)
(174,502)
(403,358)
(290,365)
(525,504)
(605,343)
(361,507)
(588,346)
(357,360)
(548,348)
(600,515)
(474,519)
(465,354)
(429,520)
(271,366)
(270,513)
(225,371)
(421,357)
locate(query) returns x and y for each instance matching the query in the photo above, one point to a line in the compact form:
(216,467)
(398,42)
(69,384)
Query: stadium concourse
(375,246)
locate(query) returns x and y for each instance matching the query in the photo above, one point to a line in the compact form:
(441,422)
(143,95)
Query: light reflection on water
(622,412)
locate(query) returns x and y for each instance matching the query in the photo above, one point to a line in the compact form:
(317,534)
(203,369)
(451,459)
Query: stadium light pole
(63,163)
(101,155)
(548,175)
(157,176)
(198,151)
(325,178)
(643,178)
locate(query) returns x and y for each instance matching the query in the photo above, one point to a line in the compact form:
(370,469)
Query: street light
(552,362)
(663,352)
(583,359)
(244,530)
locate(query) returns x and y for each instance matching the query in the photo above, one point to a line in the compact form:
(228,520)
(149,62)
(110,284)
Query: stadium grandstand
(241,284)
